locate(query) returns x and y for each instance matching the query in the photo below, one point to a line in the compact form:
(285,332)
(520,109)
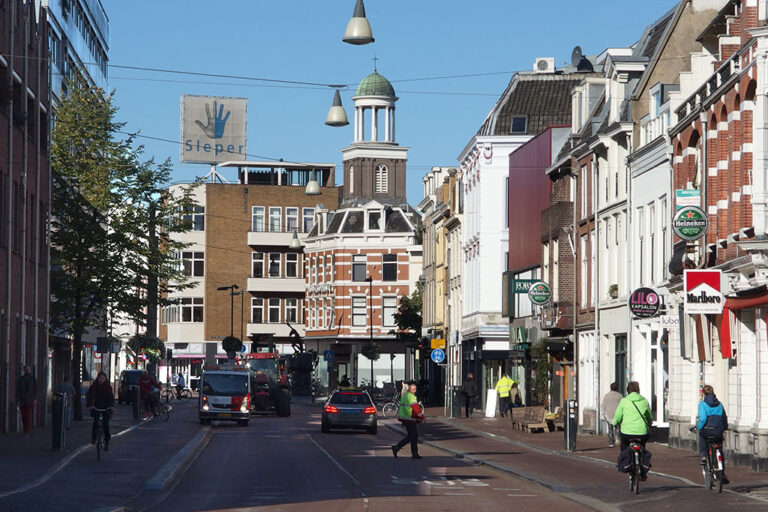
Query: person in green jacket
(633,416)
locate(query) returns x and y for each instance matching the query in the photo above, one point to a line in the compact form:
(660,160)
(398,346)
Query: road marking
(342,469)
(500,489)
(459,494)
(522,495)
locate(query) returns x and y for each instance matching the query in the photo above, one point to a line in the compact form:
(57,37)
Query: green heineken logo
(690,223)
(540,293)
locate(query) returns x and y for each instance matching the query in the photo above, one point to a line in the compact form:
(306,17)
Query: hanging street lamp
(358,29)
(336,115)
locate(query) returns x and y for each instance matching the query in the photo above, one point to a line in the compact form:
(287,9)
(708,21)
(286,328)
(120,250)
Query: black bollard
(58,419)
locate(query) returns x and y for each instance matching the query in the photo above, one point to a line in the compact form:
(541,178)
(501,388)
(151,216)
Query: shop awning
(734,304)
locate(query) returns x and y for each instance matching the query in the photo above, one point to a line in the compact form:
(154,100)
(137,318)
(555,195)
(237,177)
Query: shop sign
(523,285)
(540,293)
(520,347)
(436,343)
(702,292)
(670,322)
(685,198)
(644,303)
(690,223)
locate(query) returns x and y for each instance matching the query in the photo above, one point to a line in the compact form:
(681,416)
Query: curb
(178,465)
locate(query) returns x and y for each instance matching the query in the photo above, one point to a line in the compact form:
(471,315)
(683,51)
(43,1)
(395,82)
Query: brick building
(24,204)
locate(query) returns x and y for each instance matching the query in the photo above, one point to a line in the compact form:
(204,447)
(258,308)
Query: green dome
(375,85)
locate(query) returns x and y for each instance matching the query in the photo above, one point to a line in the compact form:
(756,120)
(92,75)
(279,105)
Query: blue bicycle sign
(438,355)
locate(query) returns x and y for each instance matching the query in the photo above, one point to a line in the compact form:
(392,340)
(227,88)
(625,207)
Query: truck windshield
(225,385)
(268,366)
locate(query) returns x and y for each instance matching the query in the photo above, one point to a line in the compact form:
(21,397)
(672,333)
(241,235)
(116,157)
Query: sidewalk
(680,464)
(24,460)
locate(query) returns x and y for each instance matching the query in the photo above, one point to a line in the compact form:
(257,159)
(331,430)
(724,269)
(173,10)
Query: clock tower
(374,164)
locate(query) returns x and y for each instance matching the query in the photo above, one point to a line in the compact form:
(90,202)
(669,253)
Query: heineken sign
(644,303)
(540,293)
(690,223)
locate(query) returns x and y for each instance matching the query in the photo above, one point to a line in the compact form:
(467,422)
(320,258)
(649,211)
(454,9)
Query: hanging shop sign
(523,285)
(644,303)
(540,293)
(702,292)
(687,197)
(690,223)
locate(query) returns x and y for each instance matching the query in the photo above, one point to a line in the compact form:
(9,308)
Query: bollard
(58,420)
(135,399)
(571,424)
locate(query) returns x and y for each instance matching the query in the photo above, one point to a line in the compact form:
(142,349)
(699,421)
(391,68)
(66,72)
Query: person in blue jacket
(712,420)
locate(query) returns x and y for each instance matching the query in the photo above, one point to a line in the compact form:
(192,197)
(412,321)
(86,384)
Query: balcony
(276,284)
(273,238)
(279,330)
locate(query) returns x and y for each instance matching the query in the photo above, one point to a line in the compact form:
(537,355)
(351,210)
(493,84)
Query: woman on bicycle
(712,422)
(100,396)
(633,416)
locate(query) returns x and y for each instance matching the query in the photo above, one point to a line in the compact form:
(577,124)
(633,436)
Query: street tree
(408,317)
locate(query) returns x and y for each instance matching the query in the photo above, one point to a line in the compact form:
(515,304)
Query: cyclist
(633,418)
(147,384)
(179,385)
(712,422)
(100,396)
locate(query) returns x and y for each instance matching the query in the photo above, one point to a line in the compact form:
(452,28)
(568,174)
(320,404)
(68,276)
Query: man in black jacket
(26,396)
(469,390)
(100,396)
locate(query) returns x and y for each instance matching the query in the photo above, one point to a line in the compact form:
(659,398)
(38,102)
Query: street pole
(232,289)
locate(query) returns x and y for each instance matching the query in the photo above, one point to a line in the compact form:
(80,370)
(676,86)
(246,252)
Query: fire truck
(225,393)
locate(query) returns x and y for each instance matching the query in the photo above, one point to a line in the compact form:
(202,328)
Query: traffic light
(169,354)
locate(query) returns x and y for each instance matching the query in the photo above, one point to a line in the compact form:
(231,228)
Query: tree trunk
(76,374)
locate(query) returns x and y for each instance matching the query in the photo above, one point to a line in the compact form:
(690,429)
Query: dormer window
(519,124)
(374,220)
(381,179)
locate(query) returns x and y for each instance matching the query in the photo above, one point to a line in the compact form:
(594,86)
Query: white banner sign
(702,292)
(213,129)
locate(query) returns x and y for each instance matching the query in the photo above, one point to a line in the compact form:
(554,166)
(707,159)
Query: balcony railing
(718,79)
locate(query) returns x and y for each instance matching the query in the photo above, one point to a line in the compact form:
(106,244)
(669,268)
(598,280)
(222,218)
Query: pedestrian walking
(100,396)
(610,403)
(65,387)
(26,396)
(410,415)
(502,388)
(469,390)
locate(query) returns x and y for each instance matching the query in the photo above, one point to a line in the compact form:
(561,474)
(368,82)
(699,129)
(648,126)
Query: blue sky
(300,40)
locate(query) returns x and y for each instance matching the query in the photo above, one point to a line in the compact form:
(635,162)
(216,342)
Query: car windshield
(132,378)
(350,399)
(268,366)
(221,384)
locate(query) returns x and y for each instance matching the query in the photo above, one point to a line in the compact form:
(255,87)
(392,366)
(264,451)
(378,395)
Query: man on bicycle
(100,396)
(712,422)
(147,384)
(180,385)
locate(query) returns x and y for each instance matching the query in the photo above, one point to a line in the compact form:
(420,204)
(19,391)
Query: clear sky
(300,40)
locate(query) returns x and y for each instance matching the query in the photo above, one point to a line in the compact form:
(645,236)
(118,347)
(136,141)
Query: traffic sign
(437,343)
(328,355)
(438,355)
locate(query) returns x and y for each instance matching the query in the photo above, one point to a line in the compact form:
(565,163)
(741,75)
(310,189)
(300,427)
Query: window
(307,217)
(291,219)
(641,237)
(583,181)
(274,311)
(193,263)
(192,309)
(555,270)
(196,216)
(358,267)
(506,203)
(351,180)
(321,314)
(518,125)
(358,312)
(257,264)
(274,264)
(663,238)
(275,216)
(257,218)
(381,179)
(388,312)
(292,310)
(652,236)
(257,310)
(593,268)
(583,274)
(374,220)
(389,267)
(291,264)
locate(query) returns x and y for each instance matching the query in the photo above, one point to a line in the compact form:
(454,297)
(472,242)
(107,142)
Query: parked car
(129,380)
(349,409)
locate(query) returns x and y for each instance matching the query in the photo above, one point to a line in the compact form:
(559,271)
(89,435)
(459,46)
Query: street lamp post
(232,294)
(369,280)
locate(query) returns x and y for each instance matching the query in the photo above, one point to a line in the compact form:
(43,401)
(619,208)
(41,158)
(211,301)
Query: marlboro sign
(702,292)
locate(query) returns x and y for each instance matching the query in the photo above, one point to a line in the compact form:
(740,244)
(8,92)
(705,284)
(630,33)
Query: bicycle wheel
(165,412)
(167,395)
(638,473)
(631,481)
(99,441)
(389,410)
(186,394)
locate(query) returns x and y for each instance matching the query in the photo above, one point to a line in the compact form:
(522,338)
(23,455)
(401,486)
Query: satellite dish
(576,56)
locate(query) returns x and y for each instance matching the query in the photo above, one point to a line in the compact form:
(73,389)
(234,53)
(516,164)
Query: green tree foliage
(105,206)
(408,317)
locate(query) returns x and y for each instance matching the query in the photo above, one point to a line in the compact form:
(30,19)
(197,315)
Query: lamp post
(231,289)
(369,280)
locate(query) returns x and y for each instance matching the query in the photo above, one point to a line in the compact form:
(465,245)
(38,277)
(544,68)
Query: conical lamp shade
(336,115)
(358,29)
(295,243)
(313,188)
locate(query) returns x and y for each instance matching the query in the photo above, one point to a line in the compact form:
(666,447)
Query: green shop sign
(690,223)
(540,293)
(523,285)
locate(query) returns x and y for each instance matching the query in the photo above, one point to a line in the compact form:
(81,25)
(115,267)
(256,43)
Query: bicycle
(636,469)
(163,411)
(713,470)
(172,392)
(100,432)
(389,409)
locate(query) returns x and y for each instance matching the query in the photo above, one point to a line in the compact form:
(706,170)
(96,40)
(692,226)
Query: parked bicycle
(100,441)
(389,410)
(173,392)
(714,469)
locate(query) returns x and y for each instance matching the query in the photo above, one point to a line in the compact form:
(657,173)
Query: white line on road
(342,469)
(500,489)
(522,495)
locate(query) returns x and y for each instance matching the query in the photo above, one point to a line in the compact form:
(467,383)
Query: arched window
(381,179)
(351,179)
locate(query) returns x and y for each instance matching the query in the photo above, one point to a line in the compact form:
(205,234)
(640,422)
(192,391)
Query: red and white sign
(702,292)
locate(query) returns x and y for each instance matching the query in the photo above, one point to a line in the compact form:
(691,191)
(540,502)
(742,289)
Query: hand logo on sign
(214,127)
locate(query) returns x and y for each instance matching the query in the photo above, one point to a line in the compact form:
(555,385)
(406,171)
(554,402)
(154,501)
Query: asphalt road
(287,464)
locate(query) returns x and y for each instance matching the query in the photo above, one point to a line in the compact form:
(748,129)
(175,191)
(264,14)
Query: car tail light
(369,410)
(331,409)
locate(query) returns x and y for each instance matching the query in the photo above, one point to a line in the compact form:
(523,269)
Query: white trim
(735,196)
(712,209)
(722,204)
(712,171)
(736,156)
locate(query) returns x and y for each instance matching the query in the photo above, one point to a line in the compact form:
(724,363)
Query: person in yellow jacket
(502,388)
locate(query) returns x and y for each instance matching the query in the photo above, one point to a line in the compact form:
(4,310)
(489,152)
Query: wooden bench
(517,414)
(528,418)
(556,421)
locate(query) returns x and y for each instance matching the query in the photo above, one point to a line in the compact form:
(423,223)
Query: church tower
(374,164)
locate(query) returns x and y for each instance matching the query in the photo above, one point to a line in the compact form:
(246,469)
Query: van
(225,394)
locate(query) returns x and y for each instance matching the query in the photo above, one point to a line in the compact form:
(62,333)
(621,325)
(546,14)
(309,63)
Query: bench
(529,418)
(556,421)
